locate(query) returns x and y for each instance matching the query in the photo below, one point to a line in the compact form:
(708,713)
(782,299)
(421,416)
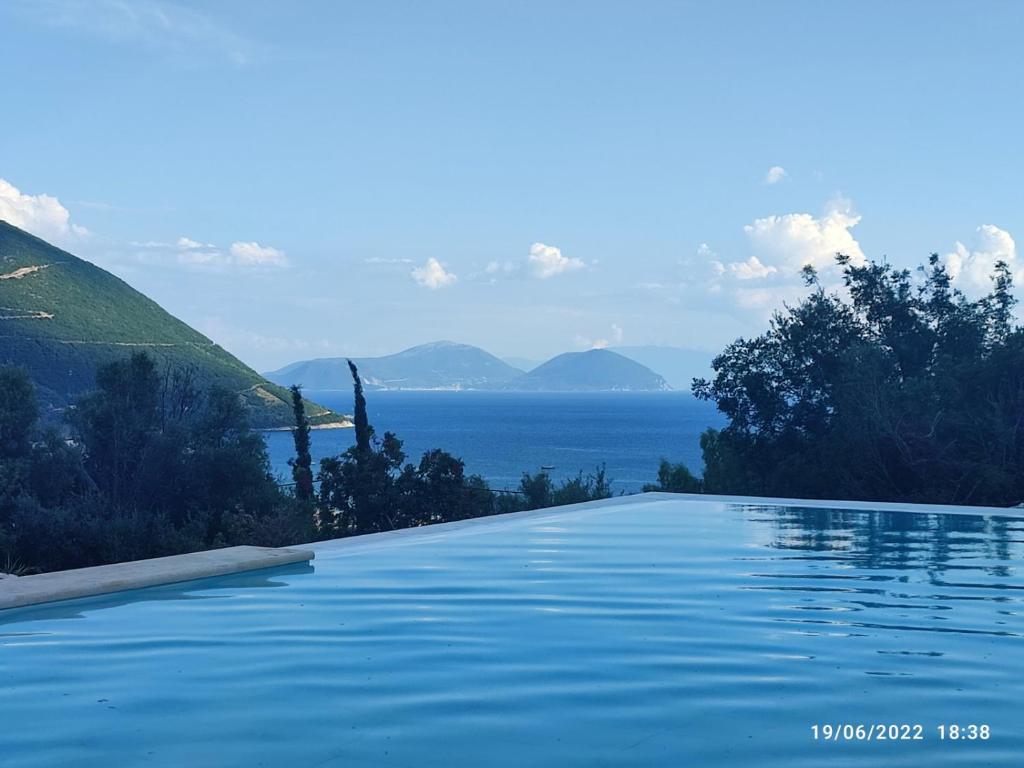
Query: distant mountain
(678,366)
(598,370)
(62,317)
(447,365)
(522,363)
(441,365)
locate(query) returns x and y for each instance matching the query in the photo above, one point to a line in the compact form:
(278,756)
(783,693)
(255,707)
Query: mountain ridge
(447,365)
(435,365)
(61,317)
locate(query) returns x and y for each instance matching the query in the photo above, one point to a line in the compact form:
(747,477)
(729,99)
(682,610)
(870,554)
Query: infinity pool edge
(119,577)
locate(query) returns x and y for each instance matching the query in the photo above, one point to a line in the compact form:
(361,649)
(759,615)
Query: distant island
(596,370)
(446,365)
(440,365)
(61,318)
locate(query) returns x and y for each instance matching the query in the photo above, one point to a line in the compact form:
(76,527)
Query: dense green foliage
(898,389)
(538,491)
(63,319)
(370,488)
(151,464)
(675,478)
(18,412)
(155,466)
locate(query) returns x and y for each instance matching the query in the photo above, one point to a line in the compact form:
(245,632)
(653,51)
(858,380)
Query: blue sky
(337,178)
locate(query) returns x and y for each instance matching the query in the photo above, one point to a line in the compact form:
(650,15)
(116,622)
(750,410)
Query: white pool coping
(104,579)
(855,506)
(480,525)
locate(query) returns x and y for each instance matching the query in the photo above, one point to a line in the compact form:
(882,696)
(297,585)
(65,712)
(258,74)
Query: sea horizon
(501,435)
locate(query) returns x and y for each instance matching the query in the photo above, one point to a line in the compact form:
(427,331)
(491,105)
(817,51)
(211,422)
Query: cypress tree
(302,464)
(364,432)
(363,506)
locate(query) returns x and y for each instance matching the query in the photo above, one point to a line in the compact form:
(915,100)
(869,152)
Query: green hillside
(62,317)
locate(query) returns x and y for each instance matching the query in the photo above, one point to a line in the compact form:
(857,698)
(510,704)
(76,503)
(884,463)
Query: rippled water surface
(656,633)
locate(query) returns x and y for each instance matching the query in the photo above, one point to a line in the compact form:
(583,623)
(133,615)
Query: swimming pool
(648,631)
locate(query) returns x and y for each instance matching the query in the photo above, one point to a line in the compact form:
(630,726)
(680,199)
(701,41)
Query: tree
(902,389)
(675,478)
(357,488)
(364,432)
(302,472)
(370,488)
(157,465)
(538,491)
(373,470)
(18,412)
(116,424)
(438,490)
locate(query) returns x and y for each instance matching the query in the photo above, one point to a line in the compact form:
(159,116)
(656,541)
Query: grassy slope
(97,317)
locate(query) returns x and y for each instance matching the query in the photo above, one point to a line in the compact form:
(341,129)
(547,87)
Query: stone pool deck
(104,579)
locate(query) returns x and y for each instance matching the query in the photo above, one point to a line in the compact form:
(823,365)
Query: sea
(501,435)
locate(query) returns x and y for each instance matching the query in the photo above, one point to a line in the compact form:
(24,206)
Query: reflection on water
(895,571)
(662,633)
(901,540)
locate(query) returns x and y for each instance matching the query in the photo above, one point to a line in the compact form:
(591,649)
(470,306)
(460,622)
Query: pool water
(646,632)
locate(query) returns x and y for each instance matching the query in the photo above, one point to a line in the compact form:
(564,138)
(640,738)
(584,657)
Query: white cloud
(253,254)
(547,261)
(751,269)
(971,267)
(615,337)
(704,251)
(496,267)
(588,343)
(193,253)
(795,240)
(384,260)
(187,243)
(781,245)
(432,275)
(775,174)
(499,269)
(42,215)
(542,262)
